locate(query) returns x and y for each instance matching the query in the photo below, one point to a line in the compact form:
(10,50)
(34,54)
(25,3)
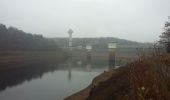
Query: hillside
(13,39)
(101,42)
(20,49)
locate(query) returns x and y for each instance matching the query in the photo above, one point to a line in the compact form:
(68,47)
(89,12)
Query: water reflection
(16,76)
(88,64)
(49,81)
(85,66)
(111,64)
(69,69)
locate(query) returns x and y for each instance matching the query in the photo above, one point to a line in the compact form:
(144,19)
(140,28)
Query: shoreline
(83,94)
(16,59)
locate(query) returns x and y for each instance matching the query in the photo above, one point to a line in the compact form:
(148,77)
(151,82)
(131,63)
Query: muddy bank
(147,78)
(16,59)
(101,82)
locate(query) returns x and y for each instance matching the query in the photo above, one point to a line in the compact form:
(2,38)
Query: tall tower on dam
(70,32)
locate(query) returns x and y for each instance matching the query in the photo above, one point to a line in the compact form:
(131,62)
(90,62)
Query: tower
(112,50)
(70,32)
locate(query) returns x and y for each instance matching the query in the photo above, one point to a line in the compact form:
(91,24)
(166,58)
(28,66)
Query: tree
(165,36)
(12,39)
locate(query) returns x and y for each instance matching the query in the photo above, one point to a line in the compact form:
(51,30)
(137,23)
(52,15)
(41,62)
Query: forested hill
(102,42)
(13,39)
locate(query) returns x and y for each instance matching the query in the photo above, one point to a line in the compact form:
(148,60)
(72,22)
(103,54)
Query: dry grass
(150,78)
(147,78)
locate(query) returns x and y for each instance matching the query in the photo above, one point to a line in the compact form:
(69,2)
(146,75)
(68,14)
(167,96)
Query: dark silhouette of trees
(14,39)
(165,37)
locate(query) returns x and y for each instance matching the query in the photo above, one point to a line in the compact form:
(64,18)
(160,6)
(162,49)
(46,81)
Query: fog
(138,20)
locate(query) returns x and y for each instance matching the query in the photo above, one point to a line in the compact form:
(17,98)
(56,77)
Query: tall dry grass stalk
(150,77)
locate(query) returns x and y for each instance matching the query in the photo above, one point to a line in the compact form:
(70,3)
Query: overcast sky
(138,20)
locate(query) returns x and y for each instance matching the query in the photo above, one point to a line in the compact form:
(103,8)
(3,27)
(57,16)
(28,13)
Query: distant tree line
(101,43)
(14,39)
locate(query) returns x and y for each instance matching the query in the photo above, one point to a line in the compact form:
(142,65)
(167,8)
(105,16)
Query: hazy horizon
(136,20)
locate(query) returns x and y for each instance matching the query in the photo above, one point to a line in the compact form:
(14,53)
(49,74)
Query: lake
(48,81)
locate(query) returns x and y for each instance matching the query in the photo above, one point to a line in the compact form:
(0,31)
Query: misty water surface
(49,81)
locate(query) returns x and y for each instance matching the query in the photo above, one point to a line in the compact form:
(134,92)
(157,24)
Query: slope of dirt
(112,80)
(147,78)
(83,94)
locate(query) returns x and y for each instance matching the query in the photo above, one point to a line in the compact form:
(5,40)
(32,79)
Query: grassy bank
(12,59)
(147,78)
